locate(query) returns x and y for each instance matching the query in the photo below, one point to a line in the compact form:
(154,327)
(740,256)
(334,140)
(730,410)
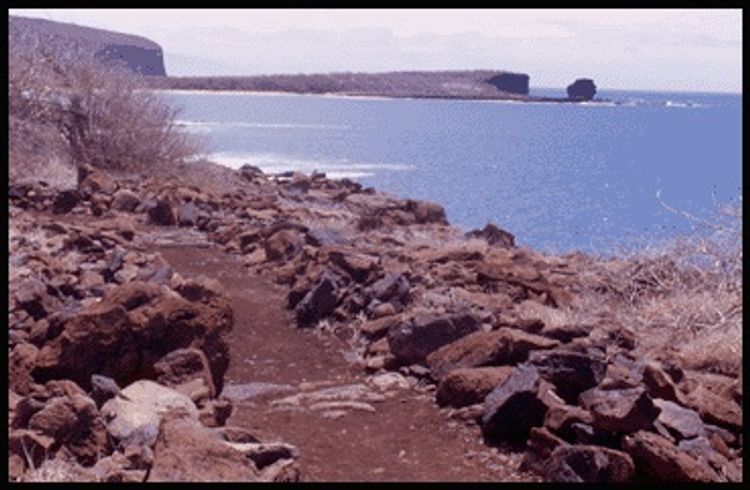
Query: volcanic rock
(494,236)
(467,386)
(125,200)
(513,407)
(570,372)
(73,421)
(103,388)
(182,366)
(140,410)
(133,327)
(411,341)
(498,347)
(65,201)
(162,213)
(588,464)
(656,457)
(187,451)
(284,244)
(620,411)
(682,422)
(187,215)
(319,302)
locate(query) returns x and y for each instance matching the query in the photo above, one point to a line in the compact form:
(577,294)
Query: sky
(636,49)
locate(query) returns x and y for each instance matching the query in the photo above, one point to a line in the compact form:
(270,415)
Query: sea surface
(595,177)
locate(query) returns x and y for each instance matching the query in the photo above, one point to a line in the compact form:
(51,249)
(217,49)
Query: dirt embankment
(299,327)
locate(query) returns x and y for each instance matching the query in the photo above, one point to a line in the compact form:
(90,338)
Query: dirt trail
(346,428)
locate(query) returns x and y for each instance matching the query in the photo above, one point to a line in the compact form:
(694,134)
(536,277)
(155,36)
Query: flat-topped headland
(447,84)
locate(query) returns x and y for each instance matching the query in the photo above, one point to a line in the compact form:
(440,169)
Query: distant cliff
(138,53)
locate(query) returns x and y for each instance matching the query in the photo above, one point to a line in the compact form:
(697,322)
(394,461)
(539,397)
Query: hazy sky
(660,49)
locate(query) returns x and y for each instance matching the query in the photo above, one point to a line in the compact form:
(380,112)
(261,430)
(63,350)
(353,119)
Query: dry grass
(683,298)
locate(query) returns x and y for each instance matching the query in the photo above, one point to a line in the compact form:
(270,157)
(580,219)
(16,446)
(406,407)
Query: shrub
(64,104)
(683,297)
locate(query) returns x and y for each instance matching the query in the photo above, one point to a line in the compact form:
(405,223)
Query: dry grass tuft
(683,298)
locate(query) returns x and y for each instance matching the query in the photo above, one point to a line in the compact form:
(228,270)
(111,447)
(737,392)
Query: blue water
(560,177)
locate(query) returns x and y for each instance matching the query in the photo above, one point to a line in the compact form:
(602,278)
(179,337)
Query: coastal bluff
(141,55)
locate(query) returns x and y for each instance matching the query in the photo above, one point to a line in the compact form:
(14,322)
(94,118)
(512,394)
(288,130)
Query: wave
(205,126)
(335,168)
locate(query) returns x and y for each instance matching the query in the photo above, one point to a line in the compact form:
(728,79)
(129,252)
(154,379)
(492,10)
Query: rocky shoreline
(117,363)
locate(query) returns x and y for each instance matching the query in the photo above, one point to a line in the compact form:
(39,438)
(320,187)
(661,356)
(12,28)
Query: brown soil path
(406,437)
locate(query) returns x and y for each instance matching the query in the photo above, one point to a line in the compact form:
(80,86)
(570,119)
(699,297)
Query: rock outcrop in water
(582,89)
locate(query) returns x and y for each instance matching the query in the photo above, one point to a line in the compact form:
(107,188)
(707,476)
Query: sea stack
(582,89)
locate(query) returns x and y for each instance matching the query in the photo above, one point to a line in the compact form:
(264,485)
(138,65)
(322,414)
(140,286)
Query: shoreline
(339,95)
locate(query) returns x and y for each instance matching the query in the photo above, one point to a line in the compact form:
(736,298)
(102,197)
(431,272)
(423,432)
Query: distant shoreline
(447,85)
(530,99)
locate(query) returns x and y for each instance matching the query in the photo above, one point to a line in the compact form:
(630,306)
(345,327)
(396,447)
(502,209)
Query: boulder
(319,302)
(467,386)
(182,366)
(284,244)
(21,362)
(659,383)
(30,446)
(103,388)
(162,213)
(378,328)
(714,408)
(588,464)
(539,448)
(567,331)
(125,200)
(494,236)
(682,422)
(73,421)
(92,180)
(505,346)
(426,212)
(560,419)
(620,411)
(514,407)
(116,468)
(186,451)
(701,449)
(582,89)
(187,214)
(570,372)
(393,287)
(357,265)
(65,201)
(411,341)
(657,457)
(214,412)
(134,326)
(521,272)
(33,297)
(134,416)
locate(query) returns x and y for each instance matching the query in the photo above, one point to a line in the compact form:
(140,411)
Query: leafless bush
(64,103)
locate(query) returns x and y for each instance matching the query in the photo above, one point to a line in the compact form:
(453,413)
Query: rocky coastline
(117,362)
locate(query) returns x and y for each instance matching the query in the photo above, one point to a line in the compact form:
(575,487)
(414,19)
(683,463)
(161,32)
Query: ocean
(594,177)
